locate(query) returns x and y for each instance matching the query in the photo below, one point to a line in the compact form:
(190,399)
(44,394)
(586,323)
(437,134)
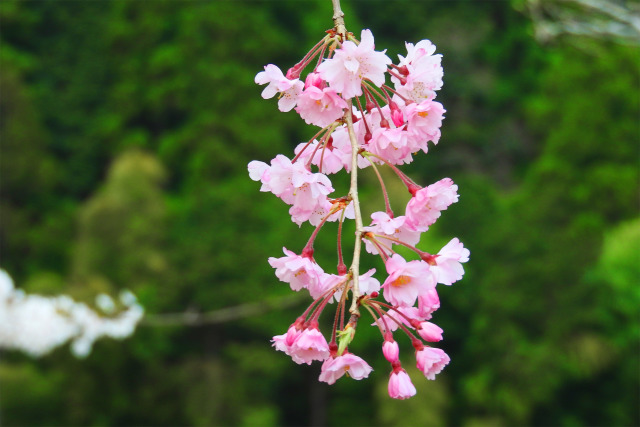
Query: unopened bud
(293,73)
(428,258)
(430,332)
(391,350)
(396,114)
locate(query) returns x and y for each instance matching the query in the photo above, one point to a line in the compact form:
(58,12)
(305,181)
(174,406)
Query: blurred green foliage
(126,128)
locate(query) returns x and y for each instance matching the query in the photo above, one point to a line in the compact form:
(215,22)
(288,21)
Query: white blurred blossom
(105,303)
(37,324)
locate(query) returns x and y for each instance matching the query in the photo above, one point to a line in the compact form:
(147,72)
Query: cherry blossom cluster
(371,113)
(37,324)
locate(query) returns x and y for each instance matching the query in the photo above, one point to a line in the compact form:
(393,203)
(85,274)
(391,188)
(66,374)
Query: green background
(126,127)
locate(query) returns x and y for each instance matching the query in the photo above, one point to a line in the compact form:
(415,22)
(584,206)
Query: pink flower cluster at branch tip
(372,114)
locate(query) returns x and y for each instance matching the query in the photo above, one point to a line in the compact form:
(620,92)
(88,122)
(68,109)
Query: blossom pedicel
(371,113)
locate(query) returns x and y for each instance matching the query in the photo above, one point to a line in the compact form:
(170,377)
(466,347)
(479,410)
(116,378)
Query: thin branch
(227,314)
(591,18)
(353,193)
(338,20)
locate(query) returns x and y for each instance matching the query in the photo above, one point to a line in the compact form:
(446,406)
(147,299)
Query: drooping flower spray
(372,113)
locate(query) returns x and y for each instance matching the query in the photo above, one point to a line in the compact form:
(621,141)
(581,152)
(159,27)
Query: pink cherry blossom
(326,283)
(300,272)
(430,332)
(406,280)
(428,303)
(342,144)
(425,206)
(284,342)
(423,72)
(448,268)
(366,283)
(284,178)
(390,350)
(259,171)
(318,104)
(331,158)
(395,144)
(334,368)
(400,386)
(352,63)
(309,346)
(277,82)
(301,213)
(274,79)
(297,186)
(279,177)
(322,210)
(308,185)
(424,121)
(396,227)
(431,361)
(418,86)
(391,144)
(422,49)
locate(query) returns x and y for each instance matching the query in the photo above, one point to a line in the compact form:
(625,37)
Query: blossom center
(401,281)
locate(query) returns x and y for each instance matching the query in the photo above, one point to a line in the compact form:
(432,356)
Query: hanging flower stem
(308,249)
(384,189)
(411,186)
(309,143)
(342,268)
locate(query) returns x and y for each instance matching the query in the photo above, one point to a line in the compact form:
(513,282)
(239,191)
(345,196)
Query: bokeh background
(126,127)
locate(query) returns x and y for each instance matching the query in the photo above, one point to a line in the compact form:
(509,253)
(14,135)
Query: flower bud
(390,350)
(430,332)
(431,361)
(400,386)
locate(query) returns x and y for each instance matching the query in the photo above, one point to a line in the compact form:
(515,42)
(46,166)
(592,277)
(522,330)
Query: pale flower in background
(36,324)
